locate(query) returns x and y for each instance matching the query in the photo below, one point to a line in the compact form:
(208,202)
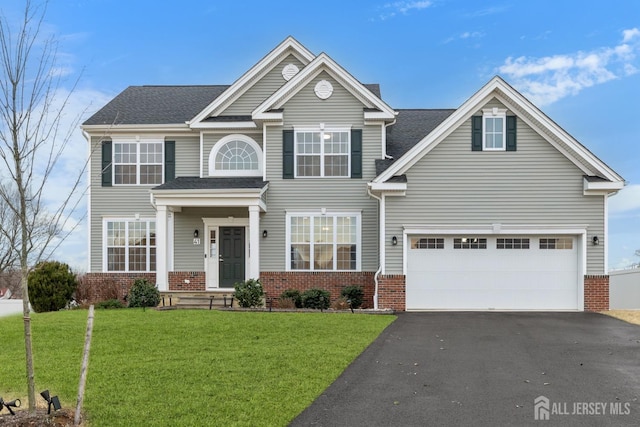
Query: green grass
(187,367)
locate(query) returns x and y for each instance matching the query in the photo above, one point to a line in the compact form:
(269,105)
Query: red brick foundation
(596,293)
(276,282)
(187,281)
(105,286)
(392,292)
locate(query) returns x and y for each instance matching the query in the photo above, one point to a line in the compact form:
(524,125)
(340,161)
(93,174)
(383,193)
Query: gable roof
(151,105)
(378,108)
(529,113)
(240,86)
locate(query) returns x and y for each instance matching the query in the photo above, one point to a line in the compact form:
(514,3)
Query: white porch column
(161,248)
(254,242)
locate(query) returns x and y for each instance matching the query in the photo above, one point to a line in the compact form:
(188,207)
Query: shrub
(286,303)
(110,303)
(316,298)
(51,286)
(91,292)
(249,293)
(292,295)
(340,304)
(143,294)
(353,293)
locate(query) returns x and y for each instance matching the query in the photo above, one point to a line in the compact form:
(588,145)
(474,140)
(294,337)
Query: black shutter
(106,164)
(476,133)
(356,153)
(287,154)
(169,160)
(511,133)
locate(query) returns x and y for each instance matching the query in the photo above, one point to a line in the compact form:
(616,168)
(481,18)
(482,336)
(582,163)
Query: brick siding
(392,292)
(596,293)
(178,281)
(276,282)
(101,286)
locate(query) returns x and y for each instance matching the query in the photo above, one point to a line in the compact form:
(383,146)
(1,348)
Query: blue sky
(580,64)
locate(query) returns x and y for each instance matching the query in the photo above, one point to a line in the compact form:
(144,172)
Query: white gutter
(381,219)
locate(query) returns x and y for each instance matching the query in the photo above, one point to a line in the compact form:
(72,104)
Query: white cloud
(627,200)
(628,35)
(404,7)
(465,36)
(548,79)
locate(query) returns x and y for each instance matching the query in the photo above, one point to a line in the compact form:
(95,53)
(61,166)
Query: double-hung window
(130,245)
(323,242)
(494,135)
(137,163)
(322,152)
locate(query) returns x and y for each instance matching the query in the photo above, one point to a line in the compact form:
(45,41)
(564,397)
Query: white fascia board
(93,129)
(601,187)
(377,116)
(498,88)
(386,187)
(496,229)
(289,45)
(225,125)
(324,63)
(269,116)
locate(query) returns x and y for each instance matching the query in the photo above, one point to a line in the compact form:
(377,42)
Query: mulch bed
(61,418)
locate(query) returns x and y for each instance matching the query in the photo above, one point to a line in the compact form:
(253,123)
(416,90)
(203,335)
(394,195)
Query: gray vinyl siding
(187,155)
(534,185)
(116,201)
(312,194)
(186,255)
(261,90)
(210,139)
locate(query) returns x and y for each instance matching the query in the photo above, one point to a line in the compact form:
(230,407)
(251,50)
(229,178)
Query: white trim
(89,224)
(201,154)
(323,213)
(494,113)
(170,239)
(101,129)
(606,234)
(383,234)
(266,64)
(225,125)
(137,140)
(499,89)
(389,187)
(264,152)
(600,187)
(323,63)
(216,223)
(126,219)
(227,173)
(322,129)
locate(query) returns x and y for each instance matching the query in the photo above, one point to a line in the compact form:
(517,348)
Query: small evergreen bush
(51,286)
(318,299)
(292,295)
(110,303)
(353,293)
(249,293)
(143,294)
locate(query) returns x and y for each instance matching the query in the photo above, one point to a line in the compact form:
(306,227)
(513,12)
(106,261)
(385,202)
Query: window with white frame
(494,126)
(130,245)
(235,155)
(137,163)
(322,152)
(323,242)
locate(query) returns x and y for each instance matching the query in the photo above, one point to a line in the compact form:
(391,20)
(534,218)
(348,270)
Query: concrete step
(194,300)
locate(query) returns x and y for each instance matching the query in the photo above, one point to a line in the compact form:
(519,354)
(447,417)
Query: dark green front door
(232,264)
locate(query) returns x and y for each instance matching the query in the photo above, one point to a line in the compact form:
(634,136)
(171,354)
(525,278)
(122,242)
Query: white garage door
(488,272)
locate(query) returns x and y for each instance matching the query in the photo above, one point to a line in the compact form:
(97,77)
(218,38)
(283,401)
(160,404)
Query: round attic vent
(323,89)
(289,71)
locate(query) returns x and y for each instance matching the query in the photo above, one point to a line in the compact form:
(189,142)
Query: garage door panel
(502,279)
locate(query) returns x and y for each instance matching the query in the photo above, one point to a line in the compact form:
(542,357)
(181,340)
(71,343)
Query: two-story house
(302,176)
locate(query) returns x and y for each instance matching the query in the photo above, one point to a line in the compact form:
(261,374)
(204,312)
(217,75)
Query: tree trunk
(27,343)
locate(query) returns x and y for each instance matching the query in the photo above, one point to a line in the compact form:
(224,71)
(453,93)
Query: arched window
(235,155)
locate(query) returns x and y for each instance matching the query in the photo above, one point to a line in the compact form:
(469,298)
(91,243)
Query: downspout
(380,251)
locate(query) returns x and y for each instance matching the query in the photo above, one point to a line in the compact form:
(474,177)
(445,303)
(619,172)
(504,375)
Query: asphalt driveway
(486,369)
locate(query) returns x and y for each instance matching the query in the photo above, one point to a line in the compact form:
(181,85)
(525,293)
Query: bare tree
(32,139)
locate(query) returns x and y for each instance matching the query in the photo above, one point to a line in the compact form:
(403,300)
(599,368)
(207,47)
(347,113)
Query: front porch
(207,232)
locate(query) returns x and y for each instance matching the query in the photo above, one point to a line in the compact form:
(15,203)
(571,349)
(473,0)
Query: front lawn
(187,367)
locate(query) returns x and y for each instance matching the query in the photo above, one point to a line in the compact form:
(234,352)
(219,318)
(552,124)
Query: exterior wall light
(196,233)
(595,241)
(394,240)
(265,234)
